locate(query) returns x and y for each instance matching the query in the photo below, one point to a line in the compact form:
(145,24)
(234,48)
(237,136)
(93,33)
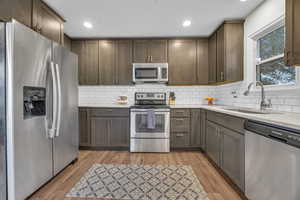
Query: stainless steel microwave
(150,72)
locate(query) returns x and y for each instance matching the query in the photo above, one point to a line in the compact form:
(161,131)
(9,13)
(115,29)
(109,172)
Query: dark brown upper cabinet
(46,22)
(124,62)
(212,59)
(18,9)
(188,62)
(202,61)
(230,51)
(147,51)
(292,24)
(107,62)
(88,60)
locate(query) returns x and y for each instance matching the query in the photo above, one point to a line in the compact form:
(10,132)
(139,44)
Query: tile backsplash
(283,100)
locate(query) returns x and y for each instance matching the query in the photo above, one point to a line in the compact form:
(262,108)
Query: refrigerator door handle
(59,100)
(52,130)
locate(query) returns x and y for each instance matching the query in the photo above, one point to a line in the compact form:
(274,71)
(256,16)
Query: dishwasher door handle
(274,137)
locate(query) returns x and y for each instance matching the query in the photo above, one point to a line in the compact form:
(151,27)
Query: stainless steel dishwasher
(272,157)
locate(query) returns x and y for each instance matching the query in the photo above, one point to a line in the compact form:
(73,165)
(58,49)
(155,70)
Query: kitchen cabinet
(212,59)
(150,51)
(213,142)
(107,71)
(67,42)
(124,62)
(84,130)
(230,51)
(88,60)
(17,9)
(100,129)
(35,14)
(292,28)
(233,155)
(182,56)
(196,132)
(202,61)
(108,128)
(225,145)
(180,128)
(46,22)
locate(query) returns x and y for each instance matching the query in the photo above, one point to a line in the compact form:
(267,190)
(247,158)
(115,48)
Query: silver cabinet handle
(59,92)
(52,130)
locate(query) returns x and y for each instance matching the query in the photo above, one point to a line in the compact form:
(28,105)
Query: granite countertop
(286,119)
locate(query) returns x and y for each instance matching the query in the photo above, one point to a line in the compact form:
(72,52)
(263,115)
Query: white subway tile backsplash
(285,100)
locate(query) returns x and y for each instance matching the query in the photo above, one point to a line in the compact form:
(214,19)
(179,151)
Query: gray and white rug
(139,182)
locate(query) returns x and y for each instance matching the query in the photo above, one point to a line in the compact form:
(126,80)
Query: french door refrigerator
(41,102)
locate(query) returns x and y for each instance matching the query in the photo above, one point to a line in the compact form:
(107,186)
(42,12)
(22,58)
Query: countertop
(286,119)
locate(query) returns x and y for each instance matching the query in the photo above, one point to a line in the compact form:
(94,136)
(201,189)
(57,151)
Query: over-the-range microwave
(150,73)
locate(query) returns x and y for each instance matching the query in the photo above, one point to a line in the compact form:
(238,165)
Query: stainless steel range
(150,123)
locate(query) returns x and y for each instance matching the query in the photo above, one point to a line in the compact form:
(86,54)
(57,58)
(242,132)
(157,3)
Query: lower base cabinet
(106,128)
(226,148)
(233,156)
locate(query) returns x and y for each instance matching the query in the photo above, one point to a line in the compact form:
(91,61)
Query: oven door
(139,124)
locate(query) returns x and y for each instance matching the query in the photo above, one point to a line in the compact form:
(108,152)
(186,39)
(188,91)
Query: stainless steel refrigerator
(41,109)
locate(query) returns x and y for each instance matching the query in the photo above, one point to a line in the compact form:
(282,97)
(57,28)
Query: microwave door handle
(59,92)
(52,130)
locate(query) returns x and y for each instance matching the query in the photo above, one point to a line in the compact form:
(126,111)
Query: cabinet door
(17,9)
(124,62)
(107,67)
(84,131)
(233,156)
(182,62)
(158,51)
(140,51)
(212,57)
(292,25)
(119,132)
(203,130)
(213,142)
(196,128)
(46,22)
(202,61)
(234,51)
(180,140)
(220,54)
(67,42)
(100,128)
(89,70)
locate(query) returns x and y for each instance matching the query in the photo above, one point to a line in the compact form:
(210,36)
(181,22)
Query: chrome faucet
(263,104)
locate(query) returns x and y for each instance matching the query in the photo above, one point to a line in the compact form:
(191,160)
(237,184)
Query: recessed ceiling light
(88,25)
(243,0)
(186,23)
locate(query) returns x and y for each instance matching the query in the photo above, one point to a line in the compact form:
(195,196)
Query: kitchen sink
(252,111)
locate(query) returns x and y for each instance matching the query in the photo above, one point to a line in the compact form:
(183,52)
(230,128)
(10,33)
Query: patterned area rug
(139,182)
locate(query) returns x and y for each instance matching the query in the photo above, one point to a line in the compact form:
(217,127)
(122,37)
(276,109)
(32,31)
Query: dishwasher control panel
(278,133)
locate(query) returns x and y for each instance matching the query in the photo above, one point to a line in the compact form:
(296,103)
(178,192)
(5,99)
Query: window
(270,68)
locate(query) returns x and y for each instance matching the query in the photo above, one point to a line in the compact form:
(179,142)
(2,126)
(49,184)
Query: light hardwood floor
(213,183)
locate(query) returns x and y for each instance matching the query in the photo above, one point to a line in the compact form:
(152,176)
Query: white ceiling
(148,18)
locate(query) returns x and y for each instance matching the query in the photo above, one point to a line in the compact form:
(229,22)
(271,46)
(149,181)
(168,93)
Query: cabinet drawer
(107,112)
(180,124)
(180,113)
(233,123)
(180,140)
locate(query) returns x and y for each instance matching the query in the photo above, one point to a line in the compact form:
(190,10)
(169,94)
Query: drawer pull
(179,135)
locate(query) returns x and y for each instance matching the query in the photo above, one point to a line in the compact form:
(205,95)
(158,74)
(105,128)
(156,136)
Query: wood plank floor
(213,183)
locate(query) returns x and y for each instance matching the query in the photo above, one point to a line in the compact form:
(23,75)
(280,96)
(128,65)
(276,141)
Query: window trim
(276,24)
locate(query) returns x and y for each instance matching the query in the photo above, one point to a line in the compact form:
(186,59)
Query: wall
(109,94)
(282,99)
